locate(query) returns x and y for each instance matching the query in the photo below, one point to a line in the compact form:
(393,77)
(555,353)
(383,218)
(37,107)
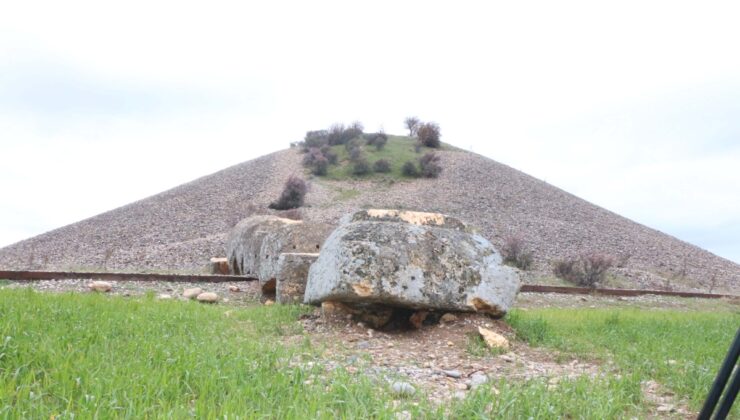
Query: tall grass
(96,356)
(88,356)
(681,350)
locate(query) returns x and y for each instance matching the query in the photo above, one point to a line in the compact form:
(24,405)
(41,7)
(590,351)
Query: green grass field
(96,356)
(397,151)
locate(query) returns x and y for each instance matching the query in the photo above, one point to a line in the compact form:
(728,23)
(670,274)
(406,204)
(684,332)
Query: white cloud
(629,105)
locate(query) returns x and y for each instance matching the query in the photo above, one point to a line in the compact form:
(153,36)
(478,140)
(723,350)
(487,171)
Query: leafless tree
(411,124)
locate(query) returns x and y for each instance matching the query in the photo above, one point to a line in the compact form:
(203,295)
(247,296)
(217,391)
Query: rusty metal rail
(535,288)
(215,278)
(67,275)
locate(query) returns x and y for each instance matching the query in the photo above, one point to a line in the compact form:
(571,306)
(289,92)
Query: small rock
(493,339)
(478,379)
(363,345)
(192,293)
(460,395)
(164,296)
(403,415)
(509,358)
(207,297)
(234,289)
(448,318)
(665,408)
(403,388)
(100,286)
(461,386)
(450,344)
(452,373)
(269,302)
(417,319)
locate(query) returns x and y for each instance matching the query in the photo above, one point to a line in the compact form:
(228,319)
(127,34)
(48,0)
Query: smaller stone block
(292,276)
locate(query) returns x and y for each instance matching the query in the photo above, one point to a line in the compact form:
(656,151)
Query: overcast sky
(634,106)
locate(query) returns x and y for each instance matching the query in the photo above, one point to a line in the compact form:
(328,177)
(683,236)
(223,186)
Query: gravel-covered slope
(180,229)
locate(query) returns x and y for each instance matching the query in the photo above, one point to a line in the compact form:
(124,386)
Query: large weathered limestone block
(292,276)
(245,240)
(255,244)
(412,260)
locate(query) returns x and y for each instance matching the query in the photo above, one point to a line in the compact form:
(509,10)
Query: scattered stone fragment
(448,318)
(100,286)
(164,296)
(460,395)
(219,265)
(665,408)
(508,357)
(417,319)
(234,289)
(493,339)
(461,386)
(192,293)
(452,373)
(269,302)
(403,388)
(478,379)
(207,297)
(363,345)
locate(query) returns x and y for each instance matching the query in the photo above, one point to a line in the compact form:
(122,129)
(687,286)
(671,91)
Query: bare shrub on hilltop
(339,134)
(410,169)
(382,166)
(378,139)
(587,270)
(292,196)
(429,134)
(430,167)
(361,167)
(411,123)
(317,161)
(329,154)
(316,138)
(516,253)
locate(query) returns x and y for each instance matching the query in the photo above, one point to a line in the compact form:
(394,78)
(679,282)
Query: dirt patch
(664,403)
(443,359)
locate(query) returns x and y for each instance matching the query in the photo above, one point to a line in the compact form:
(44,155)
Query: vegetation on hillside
(587,270)
(347,151)
(292,196)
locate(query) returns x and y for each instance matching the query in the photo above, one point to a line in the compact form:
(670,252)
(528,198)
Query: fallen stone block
(292,275)
(421,261)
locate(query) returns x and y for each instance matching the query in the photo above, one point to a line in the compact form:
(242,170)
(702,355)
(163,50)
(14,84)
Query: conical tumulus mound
(180,229)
